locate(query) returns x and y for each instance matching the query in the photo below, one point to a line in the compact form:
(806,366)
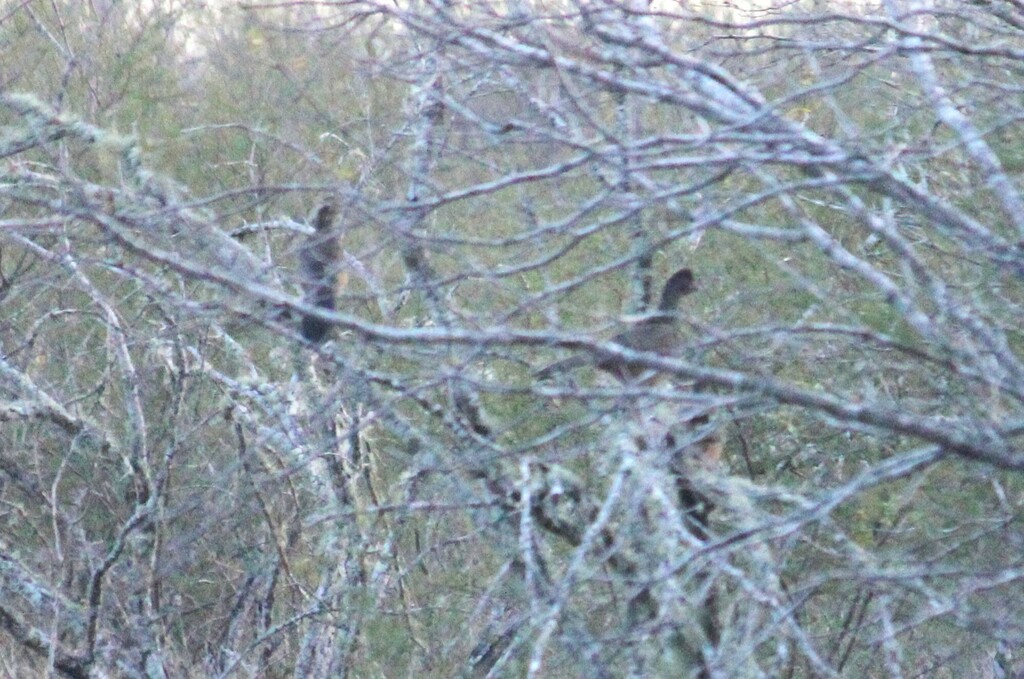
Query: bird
(658,333)
(319,259)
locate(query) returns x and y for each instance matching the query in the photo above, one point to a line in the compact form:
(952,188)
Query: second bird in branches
(658,333)
(319,264)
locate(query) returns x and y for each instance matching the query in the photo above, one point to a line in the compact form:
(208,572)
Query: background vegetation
(187,488)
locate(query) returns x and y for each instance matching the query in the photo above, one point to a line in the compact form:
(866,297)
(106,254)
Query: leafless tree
(817,477)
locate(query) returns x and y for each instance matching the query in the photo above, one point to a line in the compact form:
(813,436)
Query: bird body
(658,333)
(319,258)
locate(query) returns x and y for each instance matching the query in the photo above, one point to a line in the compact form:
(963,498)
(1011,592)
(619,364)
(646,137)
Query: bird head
(680,283)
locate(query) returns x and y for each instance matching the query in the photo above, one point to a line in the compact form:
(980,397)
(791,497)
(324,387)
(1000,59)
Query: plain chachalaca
(319,259)
(658,333)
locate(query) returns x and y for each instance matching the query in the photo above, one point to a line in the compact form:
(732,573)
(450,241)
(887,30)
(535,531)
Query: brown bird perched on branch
(319,261)
(658,333)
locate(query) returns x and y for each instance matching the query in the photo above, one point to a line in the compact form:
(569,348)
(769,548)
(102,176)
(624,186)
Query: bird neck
(670,301)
